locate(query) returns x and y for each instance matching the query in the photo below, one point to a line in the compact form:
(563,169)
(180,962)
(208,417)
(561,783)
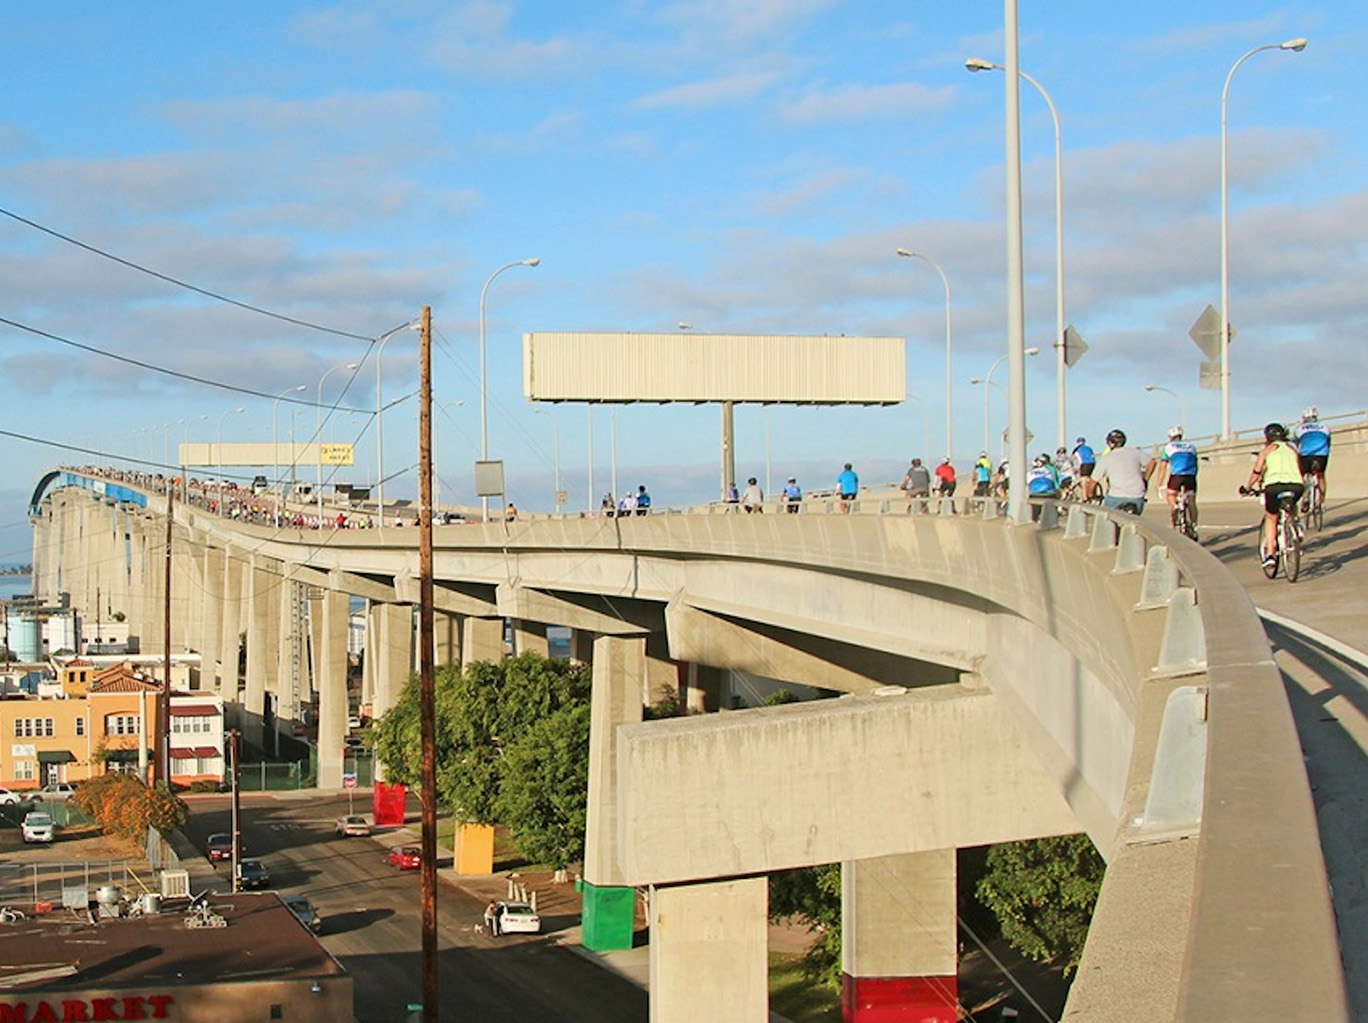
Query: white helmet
(1310,412)
(1175,432)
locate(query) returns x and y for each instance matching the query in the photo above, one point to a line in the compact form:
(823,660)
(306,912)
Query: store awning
(55,756)
(194,710)
(123,756)
(193,752)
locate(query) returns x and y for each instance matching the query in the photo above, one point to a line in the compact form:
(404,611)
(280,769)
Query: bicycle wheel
(1188,522)
(1317,509)
(1291,546)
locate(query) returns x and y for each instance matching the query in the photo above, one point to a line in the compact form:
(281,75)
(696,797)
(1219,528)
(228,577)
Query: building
(260,963)
(93,720)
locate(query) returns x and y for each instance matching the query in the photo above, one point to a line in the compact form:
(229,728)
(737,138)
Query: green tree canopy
(519,725)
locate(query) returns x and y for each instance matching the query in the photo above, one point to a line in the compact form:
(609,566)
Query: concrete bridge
(1086,673)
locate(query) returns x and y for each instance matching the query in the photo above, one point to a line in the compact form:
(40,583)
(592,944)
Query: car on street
(253,874)
(352,824)
(54,792)
(37,827)
(406,857)
(516,918)
(304,912)
(8,798)
(219,846)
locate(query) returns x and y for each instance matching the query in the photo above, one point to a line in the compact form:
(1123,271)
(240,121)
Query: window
(23,770)
(121,724)
(80,726)
(29,728)
(191,724)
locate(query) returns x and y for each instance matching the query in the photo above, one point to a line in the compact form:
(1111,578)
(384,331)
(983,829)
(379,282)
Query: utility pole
(235,756)
(162,771)
(427,672)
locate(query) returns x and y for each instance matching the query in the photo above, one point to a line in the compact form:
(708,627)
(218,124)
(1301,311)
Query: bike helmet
(1310,412)
(1061,451)
(1275,432)
(1116,439)
(1042,459)
(1175,432)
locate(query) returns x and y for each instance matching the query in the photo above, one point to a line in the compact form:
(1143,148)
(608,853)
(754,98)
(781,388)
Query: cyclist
(1064,470)
(1312,438)
(1127,472)
(1041,478)
(983,474)
(1179,459)
(1277,467)
(1087,461)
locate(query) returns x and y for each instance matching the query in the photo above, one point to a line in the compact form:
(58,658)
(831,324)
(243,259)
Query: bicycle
(1313,501)
(1286,538)
(11,916)
(1182,517)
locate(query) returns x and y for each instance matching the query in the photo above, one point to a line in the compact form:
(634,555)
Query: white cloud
(714,92)
(858,101)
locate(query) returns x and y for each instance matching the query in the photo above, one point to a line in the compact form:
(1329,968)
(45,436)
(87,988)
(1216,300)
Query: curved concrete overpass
(1087,673)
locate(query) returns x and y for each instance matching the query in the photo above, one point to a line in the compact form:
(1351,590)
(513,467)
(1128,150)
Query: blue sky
(744,168)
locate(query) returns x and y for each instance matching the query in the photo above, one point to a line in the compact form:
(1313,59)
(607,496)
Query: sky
(205,206)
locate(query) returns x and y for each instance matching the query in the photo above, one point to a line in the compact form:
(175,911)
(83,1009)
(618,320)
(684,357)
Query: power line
(177,282)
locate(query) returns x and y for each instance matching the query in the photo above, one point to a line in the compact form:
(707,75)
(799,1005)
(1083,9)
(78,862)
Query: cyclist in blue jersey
(1312,438)
(1041,478)
(1178,459)
(1086,462)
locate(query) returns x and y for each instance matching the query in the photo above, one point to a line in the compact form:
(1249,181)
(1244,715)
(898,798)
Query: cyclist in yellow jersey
(1277,467)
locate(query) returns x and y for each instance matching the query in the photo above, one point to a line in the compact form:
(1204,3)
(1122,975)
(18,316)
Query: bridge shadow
(1328,695)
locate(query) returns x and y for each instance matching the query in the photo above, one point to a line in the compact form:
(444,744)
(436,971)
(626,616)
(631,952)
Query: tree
(813,896)
(502,723)
(1043,892)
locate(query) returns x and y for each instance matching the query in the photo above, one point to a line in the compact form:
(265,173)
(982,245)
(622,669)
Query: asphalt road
(372,923)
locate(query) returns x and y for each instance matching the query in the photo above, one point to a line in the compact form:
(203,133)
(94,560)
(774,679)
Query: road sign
(1074,346)
(1209,376)
(349,781)
(1206,332)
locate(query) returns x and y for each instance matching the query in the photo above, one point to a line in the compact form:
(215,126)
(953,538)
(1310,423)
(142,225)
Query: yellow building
(106,720)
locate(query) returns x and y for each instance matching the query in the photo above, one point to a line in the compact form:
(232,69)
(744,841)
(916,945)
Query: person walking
(848,483)
(752,498)
(491,920)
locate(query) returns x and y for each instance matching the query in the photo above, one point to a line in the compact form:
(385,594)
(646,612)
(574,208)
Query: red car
(406,857)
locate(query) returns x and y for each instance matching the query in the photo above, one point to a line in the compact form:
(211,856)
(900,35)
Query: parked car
(37,827)
(516,918)
(352,824)
(406,857)
(54,792)
(219,847)
(253,874)
(304,912)
(8,798)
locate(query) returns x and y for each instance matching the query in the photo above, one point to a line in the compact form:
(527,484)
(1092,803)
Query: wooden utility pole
(162,769)
(426,672)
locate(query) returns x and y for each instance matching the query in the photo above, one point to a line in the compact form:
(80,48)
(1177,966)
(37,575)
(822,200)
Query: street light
(1061,362)
(380,420)
(275,444)
(949,380)
(219,454)
(1296,45)
(987,379)
(555,423)
(1182,408)
(318,434)
(484,408)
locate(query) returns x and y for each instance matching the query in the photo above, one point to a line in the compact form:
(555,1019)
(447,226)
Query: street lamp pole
(484,377)
(380,422)
(318,435)
(1061,362)
(1182,408)
(219,454)
(986,380)
(949,376)
(1295,45)
(275,444)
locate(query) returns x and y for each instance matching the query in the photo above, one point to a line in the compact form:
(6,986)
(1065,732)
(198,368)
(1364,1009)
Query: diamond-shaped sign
(1074,346)
(1209,377)
(1207,333)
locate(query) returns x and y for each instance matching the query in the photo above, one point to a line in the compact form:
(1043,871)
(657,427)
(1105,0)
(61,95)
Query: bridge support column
(211,619)
(709,952)
(332,687)
(481,640)
(263,645)
(703,689)
(581,647)
(230,622)
(389,652)
(446,639)
(529,637)
(898,951)
(609,905)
